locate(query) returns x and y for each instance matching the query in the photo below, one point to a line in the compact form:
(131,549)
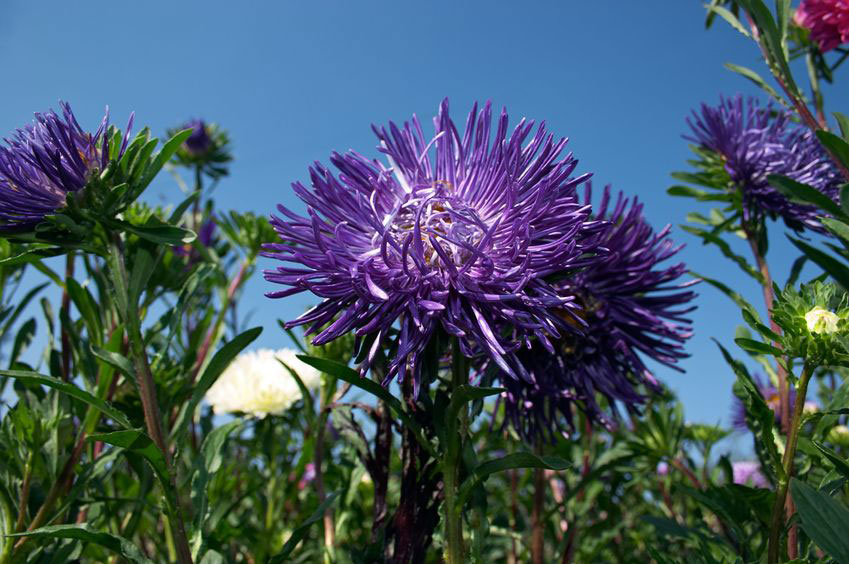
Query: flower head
(748,473)
(199,141)
(45,161)
(755,142)
(827,20)
(632,307)
(459,233)
(258,384)
(821,320)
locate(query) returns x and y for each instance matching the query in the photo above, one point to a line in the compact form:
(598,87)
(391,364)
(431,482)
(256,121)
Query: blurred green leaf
(301,531)
(835,145)
(85,533)
(757,347)
(831,266)
(508,462)
(806,194)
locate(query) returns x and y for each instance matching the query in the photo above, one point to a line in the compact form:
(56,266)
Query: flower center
(437,227)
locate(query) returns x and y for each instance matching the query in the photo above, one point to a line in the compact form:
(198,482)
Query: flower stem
(457,413)
(777,522)
(147,388)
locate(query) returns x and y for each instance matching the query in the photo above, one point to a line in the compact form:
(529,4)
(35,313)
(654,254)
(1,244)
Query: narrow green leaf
(840,463)
(301,531)
(138,442)
(85,533)
(71,390)
(756,78)
(832,266)
(163,234)
(757,347)
(164,155)
(709,237)
(843,123)
(806,194)
(508,462)
(88,308)
(219,362)
(734,296)
(837,227)
(824,519)
(34,252)
(115,360)
(835,145)
(726,15)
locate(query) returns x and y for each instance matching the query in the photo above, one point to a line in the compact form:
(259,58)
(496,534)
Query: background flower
(631,306)
(827,20)
(458,233)
(44,161)
(258,384)
(755,142)
(748,473)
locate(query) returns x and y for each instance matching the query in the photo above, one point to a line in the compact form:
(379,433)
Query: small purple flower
(459,233)
(45,161)
(632,307)
(748,473)
(199,141)
(662,469)
(755,142)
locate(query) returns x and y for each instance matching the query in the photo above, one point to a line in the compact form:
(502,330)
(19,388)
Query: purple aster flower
(459,233)
(199,141)
(633,308)
(755,142)
(45,161)
(748,473)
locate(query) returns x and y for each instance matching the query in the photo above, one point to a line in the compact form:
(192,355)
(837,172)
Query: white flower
(821,320)
(256,383)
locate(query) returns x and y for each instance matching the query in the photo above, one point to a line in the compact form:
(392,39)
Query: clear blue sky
(293,81)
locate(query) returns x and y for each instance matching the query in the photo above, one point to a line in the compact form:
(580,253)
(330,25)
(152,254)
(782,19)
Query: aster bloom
(205,236)
(827,20)
(45,161)
(199,141)
(258,384)
(633,307)
(748,473)
(458,233)
(755,142)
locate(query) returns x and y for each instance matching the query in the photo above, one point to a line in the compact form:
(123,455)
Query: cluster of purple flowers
(482,235)
(45,161)
(757,141)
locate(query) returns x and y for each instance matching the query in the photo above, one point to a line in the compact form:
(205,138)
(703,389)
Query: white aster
(821,320)
(257,384)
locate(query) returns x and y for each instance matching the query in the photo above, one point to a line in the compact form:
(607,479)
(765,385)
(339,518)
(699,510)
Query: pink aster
(827,20)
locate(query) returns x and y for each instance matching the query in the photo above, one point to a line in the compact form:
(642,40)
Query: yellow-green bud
(821,320)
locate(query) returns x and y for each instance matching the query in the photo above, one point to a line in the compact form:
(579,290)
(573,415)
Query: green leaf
(115,360)
(162,234)
(34,252)
(206,465)
(771,39)
(301,531)
(349,375)
(85,533)
(829,264)
(219,362)
(757,347)
(686,192)
(835,145)
(726,15)
(756,78)
(844,198)
(806,194)
(824,519)
(837,227)
(164,155)
(71,390)
(734,296)
(137,441)
(709,237)
(843,122)
(88,308)
(840,463)
(508,462)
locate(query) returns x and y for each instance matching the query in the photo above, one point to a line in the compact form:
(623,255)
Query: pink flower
(827,20)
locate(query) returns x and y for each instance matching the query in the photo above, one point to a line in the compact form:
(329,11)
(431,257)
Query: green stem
(127,307)
(777,522)
(8,520)
(455,429)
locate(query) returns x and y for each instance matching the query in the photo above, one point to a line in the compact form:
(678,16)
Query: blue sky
(293,81)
